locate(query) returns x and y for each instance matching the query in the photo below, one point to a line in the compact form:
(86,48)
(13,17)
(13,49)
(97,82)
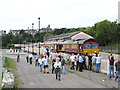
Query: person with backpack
(111,65)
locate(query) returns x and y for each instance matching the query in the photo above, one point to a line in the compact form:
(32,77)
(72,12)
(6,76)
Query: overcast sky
(20,14)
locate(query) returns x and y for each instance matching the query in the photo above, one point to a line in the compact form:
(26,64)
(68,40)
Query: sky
(20,14)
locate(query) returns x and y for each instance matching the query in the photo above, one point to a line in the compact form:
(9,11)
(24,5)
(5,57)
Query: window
(87,45)
(94,45)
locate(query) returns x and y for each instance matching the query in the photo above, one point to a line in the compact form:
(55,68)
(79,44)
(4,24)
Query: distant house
(17,32)
(2,32)
(31,31)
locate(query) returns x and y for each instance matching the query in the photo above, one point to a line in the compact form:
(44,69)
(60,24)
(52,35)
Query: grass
(11,64)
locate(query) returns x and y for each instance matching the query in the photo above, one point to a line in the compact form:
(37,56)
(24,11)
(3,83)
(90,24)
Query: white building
(2,32)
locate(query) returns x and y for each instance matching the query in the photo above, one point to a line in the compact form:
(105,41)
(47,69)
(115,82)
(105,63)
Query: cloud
(17,14)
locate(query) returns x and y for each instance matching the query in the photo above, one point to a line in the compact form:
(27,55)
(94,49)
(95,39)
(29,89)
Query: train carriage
(81,46)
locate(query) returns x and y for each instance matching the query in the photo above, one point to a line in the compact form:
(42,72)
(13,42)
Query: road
(31,77)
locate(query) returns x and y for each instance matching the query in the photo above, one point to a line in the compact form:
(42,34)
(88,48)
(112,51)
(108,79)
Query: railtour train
(84,46)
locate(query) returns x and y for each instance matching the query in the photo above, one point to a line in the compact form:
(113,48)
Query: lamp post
(32,39)
(39,33)
(24,45)
(28,47)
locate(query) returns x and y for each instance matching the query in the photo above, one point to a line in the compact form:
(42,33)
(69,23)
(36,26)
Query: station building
(79,35)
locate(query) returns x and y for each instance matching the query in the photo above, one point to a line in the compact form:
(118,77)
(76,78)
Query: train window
(60,47)
(87,45)
(94,45)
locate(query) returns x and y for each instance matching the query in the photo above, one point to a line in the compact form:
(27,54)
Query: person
(90,62)
(10,49)
(72,59)
(57,66)
(93,62)
(98,63)
(111,65)
(59,57)
(18,57)
(30,57)
(68,58)
(40,61)
(48,54)
(117,70)
(14,49)
(62,64)
(45,64)
(36,59)
(53,62)
(27,57)
(77,62)
(80,63)
(84,62)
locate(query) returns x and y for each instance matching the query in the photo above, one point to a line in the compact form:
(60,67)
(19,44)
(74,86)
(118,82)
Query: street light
(24,45)
(32,38)
(28,47)
(39,33)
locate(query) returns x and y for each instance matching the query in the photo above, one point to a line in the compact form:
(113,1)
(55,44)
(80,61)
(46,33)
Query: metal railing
(110,48)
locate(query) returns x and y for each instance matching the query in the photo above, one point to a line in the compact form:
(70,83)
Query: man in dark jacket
(111,65)
(53,62)
(90,62)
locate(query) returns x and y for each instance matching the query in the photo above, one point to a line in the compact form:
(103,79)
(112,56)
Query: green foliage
(105,32)
(10,46)
(64,30)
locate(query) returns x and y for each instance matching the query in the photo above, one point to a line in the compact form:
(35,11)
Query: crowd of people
(76,62)
(94,61)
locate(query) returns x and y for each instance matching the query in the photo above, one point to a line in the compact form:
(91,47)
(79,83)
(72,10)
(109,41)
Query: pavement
(31,77)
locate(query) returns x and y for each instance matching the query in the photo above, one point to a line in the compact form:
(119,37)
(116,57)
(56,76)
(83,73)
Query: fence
(2,62)
(110,48)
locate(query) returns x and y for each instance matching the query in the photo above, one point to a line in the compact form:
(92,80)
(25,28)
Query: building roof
(81,41)
(73,35)
(63,36)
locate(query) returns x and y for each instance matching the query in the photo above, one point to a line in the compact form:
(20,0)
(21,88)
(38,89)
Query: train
(83,46)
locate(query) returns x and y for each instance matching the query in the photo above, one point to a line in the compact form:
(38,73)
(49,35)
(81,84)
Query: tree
(105,32)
